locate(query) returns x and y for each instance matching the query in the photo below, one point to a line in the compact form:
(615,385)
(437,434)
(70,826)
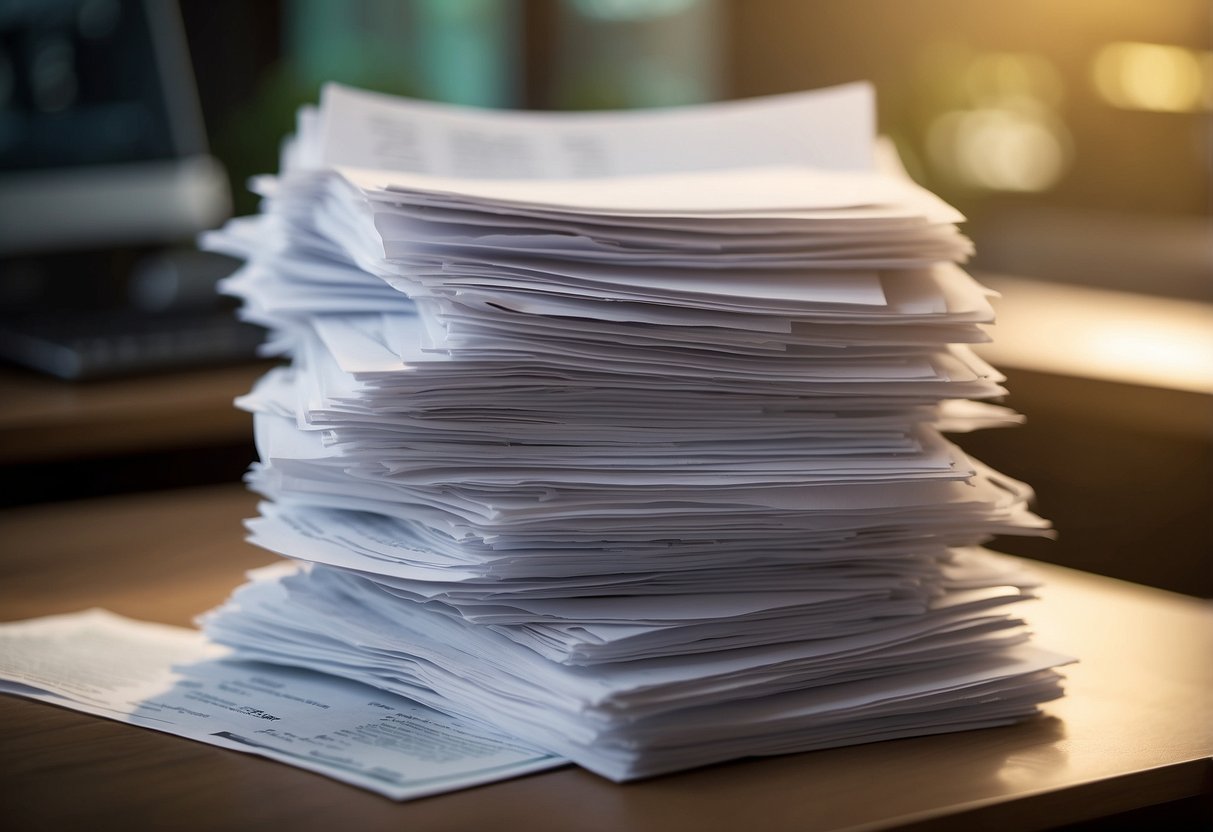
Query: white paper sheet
(171,679)
(831,128)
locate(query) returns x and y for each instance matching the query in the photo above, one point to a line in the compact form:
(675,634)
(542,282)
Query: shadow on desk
(171,468)
(1124,472)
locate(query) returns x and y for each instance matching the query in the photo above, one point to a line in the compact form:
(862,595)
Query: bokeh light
(1153,76)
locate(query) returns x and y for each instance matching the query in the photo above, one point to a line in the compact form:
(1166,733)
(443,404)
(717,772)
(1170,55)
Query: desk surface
(45,419)
(1135,729)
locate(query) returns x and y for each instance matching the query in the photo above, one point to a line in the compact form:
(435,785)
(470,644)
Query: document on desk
(171,679)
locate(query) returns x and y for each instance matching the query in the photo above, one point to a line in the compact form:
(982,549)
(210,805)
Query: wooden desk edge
(1046,808)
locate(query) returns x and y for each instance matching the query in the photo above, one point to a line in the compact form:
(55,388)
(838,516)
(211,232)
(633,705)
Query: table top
(46,419)
(1135,728)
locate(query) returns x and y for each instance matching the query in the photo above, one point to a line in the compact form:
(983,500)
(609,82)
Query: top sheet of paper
(831,129)
(754,191)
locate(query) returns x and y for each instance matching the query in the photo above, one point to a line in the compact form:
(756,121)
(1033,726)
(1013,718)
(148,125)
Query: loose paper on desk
(171,679)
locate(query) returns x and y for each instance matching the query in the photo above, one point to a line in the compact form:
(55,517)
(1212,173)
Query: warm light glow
(1153,76)
(1093,333)
(1010,136)
(994,78)
(999,149)
(1150,347)
(1206,72)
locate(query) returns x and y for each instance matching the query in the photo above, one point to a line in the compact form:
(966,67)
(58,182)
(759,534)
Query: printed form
(171,679)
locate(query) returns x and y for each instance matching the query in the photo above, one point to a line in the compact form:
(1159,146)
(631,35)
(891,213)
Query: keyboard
(89,344)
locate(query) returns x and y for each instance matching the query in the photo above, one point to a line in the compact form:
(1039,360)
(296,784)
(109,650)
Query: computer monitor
(101,136)
(105,180)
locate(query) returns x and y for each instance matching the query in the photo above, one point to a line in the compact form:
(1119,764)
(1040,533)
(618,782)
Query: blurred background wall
(1075,134)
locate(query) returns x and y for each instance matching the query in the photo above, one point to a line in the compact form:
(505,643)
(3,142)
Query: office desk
(1136,728)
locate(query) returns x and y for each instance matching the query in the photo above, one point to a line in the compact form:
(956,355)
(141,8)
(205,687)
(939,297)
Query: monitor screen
(101,136)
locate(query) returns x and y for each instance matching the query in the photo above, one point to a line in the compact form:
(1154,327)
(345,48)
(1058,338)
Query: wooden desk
(1136,728)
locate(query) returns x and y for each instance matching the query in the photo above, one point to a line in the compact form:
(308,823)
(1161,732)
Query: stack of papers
(623,434)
